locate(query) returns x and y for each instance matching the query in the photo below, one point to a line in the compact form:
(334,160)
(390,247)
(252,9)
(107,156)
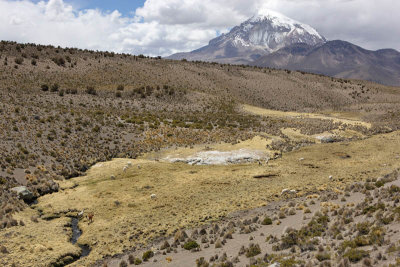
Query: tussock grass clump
(180,236)
(201,262)
(133,260)
(147,255)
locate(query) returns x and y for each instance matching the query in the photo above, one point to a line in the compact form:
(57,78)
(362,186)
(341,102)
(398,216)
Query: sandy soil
(345,118)
(303,212)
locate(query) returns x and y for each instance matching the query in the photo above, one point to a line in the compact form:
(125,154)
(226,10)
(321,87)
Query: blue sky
(126,7)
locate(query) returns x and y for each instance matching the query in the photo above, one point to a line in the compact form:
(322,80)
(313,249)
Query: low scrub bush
(90,90)
(253,250)
(266,221)
(323,256)
(355,255)
(190,245)
(19,60)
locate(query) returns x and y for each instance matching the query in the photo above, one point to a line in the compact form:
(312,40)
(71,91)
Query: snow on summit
(272,31)
(283,21)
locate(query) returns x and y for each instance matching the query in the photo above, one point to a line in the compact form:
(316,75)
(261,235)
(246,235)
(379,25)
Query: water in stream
(76,233)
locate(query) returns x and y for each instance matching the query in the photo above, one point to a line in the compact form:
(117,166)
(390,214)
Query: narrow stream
(76,233)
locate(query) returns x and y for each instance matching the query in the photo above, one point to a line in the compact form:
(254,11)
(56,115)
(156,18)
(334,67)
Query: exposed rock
(23,193)
(222,157)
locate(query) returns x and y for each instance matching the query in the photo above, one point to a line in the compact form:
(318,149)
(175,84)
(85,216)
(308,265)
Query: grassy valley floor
(125,215)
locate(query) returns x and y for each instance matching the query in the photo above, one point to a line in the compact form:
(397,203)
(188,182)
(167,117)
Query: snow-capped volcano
(264,33)
(271,30)
(270,39)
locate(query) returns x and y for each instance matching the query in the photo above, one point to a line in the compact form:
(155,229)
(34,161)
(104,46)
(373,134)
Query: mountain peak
(268,13)
(281,20)
(264,33)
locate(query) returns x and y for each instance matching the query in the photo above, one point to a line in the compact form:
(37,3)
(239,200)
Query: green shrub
(377,235)
(387,220)
(190,245)
(314,228)
(133,260)
(363,228)
(290,239)
(361,241)
(120,87)
(369,186)
(288,262)
(374,208)
(253,250)
(345,244)
(355,255)
(147,255)
(266,221)
(323,256)
(394,189)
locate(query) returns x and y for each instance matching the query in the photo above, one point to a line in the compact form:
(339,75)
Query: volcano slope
(65,110)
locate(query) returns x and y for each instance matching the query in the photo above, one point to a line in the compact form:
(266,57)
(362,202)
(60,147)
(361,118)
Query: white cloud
(204,14)
(162,27)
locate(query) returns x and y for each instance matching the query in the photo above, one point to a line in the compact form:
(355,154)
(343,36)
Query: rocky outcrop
(23,193)
(223,157)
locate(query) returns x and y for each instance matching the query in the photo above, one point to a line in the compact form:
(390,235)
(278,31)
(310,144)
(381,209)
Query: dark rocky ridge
(339,59)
